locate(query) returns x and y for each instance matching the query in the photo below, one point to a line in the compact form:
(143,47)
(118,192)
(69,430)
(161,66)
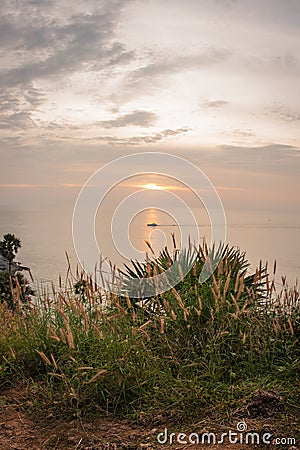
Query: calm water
(46,234)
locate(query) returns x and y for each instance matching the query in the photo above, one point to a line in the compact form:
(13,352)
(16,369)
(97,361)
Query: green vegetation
(196,350)
(14,287)
(9,247)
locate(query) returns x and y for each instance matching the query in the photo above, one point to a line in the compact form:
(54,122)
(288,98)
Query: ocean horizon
(46,236)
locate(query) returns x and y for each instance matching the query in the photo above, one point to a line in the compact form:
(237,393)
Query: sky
(213,81)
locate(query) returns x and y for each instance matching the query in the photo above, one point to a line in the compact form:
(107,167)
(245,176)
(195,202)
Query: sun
(152,186)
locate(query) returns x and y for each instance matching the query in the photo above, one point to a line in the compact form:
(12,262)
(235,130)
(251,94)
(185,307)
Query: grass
(197,350)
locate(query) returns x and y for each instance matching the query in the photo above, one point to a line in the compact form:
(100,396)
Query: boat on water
(152,224)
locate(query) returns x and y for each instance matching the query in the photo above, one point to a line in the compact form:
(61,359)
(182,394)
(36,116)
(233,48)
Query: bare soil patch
(20,430)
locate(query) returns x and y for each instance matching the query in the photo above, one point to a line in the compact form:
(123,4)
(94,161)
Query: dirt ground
(23,431)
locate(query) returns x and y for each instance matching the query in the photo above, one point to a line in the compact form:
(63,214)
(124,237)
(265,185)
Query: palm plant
(188,267)
(9,247)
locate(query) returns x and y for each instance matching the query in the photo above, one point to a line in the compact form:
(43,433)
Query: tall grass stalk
(192,349)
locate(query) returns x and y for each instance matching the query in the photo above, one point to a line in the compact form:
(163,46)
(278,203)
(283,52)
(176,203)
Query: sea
(48,249)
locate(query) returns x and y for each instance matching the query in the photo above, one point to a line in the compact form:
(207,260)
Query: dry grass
(198,349)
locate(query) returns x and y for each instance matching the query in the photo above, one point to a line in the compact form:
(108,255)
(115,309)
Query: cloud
(12,141)
(17,106)
(17,120)
(34,96)
(71,185)
(117,55)
(239,132)
(66,65)
(20,185)
(138,118)
(143,139)
(183,62)
(43,45)
(270,149)
(215,104)
(282,113)
(48,46)
(160,67)
(271,158)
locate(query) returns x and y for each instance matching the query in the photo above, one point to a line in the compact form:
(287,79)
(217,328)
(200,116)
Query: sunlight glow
(152,186)
(159,187)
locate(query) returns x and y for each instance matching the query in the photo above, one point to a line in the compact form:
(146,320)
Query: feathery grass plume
(195,348)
